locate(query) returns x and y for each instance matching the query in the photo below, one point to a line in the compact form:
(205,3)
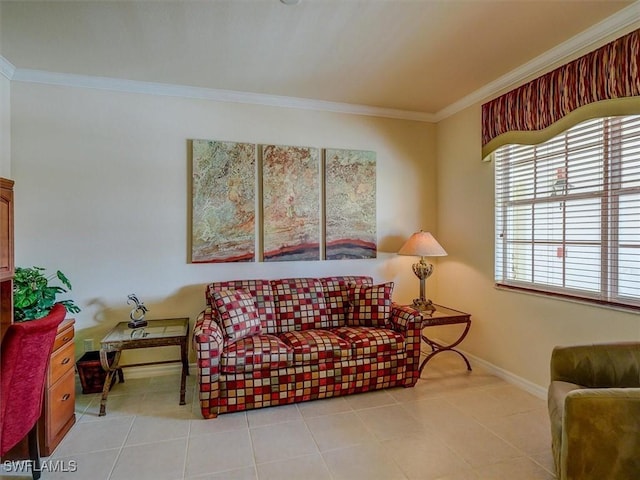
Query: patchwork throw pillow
(369,305)
(237,313)
(300,304)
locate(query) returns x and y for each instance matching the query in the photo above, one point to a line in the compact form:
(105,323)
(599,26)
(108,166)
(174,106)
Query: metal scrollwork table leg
(437,348)
(111,371)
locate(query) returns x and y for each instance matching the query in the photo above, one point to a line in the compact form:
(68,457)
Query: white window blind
(568,213)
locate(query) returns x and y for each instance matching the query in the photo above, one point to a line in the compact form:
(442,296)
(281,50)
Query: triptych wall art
(281,203)
(350,227)
(224,215)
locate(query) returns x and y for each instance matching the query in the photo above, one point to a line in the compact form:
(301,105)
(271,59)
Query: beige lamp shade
(422,244)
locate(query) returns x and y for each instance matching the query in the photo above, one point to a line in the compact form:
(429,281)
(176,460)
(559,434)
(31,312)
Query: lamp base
(424,305)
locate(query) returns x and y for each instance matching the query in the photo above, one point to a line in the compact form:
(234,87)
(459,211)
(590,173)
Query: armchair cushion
(237,313)
(369,306)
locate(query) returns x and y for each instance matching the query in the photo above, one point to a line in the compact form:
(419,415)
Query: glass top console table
(157,333)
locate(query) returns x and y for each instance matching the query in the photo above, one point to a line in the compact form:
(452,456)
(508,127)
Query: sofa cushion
(262,296)
(299,304)
(369,306)
(371,342)
(311,346)
(336,295)
(237,314)
(257,352)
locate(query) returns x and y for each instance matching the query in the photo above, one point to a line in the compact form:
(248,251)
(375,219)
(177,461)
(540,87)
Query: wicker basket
(92,375)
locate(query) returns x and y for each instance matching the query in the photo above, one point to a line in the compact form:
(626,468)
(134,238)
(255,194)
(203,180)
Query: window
(568,213)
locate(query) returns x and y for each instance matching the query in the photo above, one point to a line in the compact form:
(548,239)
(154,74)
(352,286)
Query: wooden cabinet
(6,254)
(58,405)
(6,229)
(58,408)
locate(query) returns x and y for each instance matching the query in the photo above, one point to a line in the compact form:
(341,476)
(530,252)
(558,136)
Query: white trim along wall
(588,39)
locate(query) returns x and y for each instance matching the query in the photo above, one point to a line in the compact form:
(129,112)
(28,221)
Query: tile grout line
(315,442)
(525,454)
(491,431)
(124,440)
(186,448)
(253,449)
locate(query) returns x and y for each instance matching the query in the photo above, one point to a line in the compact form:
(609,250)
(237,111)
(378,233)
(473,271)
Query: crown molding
(164,89)
(615,23)
(6,68)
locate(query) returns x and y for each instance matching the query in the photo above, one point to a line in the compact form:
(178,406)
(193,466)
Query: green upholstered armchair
(594,407)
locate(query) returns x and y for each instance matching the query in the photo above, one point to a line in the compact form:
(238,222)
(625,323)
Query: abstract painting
(223,216)
(291,203)
(350,212)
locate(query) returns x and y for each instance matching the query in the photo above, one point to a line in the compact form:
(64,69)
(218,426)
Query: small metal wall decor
(137,314)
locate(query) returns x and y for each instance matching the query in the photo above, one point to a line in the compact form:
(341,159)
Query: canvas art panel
(291,203)
(350,212)
(223,216)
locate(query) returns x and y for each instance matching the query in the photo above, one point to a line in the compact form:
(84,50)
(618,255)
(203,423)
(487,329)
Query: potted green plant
(33,296)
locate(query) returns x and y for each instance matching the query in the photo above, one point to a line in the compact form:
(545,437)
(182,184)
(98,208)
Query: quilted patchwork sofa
(262,343)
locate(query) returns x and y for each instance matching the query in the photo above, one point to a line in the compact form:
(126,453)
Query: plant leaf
(64,279)
(34,297)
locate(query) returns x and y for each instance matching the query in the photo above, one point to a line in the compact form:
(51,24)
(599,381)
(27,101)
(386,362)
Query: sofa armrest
(598,365)
(408,322)
(600,438)
(208,342)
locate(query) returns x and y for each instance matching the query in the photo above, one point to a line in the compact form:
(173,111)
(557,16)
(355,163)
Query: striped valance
(603,82)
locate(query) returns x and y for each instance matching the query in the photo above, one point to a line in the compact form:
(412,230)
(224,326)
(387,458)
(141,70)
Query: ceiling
(412,55)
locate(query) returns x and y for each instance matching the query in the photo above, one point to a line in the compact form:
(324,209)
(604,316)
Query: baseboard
(146,371)
(512,378)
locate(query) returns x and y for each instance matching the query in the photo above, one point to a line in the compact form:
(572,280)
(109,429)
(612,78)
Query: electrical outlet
(88,344)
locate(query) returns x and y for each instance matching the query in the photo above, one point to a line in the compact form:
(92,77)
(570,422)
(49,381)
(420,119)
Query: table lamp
(422,244)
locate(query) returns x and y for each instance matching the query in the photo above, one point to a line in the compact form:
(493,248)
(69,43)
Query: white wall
(5,119)
(5,127)
(102,193)
(513,331)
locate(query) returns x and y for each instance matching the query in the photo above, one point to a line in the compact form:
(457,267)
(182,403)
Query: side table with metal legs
(444,316)
(157,333)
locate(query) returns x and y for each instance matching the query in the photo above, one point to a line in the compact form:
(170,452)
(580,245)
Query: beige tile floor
(453,425)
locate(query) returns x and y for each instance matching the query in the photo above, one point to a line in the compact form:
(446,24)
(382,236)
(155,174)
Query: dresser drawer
(60,404)
(61,362)
(63,337)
